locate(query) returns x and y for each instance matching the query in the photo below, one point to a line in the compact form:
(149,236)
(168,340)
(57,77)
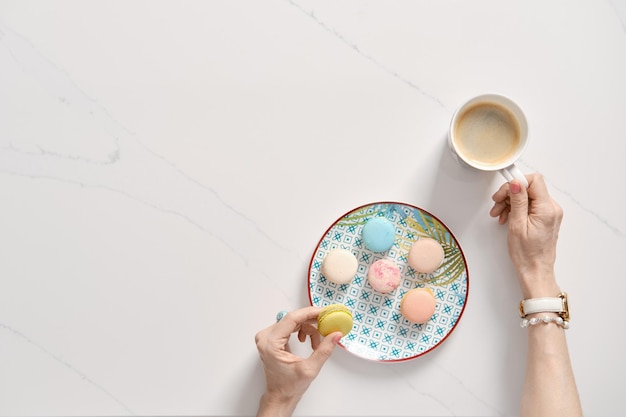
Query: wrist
(277,405)
(537,285)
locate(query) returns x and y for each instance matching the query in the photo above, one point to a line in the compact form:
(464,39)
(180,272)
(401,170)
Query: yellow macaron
(334,318)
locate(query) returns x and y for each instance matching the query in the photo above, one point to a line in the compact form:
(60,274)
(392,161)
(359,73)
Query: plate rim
(453,237)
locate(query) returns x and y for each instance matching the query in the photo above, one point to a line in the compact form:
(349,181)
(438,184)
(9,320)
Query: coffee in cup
(489,133)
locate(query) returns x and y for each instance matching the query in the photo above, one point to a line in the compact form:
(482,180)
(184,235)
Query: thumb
(326,347)
(518,197)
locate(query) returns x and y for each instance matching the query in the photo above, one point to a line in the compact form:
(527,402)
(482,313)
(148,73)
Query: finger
(307,330)
(294,319)
(518,198)
(504,216)
(301,335)
(316,339)
(539,196)
(498,208)
(537,188)
(320,355)
(502,194)
(312,332)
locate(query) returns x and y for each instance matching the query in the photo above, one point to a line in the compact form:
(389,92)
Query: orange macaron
(418,305)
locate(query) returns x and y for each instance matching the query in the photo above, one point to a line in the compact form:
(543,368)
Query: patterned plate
(380,332)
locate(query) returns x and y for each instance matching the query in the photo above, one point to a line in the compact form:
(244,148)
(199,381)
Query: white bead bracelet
(546,319)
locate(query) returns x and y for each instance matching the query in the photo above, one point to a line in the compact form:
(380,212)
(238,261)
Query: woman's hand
(534,219)
(288,376)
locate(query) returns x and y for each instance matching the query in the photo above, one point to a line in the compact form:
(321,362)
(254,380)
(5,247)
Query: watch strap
(545,305)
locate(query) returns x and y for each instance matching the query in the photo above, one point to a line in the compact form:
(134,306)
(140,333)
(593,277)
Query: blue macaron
(378,234)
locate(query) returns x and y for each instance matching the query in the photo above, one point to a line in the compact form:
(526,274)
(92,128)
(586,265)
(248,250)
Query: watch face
(565,314)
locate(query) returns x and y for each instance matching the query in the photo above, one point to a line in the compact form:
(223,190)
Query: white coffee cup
(489,133)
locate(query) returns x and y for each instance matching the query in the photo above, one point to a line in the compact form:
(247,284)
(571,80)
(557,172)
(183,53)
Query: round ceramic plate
(380,332)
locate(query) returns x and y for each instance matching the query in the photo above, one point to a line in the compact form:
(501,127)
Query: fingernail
(515,187)
(337,338)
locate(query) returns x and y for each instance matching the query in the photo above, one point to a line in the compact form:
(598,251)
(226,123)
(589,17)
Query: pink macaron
(384,275)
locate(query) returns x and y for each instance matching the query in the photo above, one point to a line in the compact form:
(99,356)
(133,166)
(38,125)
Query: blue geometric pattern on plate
(380,332)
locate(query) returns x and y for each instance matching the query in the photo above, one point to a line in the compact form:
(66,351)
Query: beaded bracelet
(547,319)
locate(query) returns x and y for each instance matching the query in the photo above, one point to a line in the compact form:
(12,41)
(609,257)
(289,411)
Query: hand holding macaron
(287,376)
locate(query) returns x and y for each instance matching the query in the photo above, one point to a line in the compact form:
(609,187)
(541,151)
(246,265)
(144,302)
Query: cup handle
(514,173)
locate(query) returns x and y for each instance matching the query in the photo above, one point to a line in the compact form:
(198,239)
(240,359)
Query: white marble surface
(167,168)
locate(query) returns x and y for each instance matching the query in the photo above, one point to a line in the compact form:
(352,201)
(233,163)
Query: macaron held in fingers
(334,318)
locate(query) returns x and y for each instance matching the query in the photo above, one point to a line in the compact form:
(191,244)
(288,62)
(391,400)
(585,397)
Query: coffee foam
(487,134)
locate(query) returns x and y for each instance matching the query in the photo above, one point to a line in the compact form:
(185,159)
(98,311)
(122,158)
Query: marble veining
(98,152)
(127,153)
(620,10)
(16,333)
(327,27)
(455,380)
(601,219)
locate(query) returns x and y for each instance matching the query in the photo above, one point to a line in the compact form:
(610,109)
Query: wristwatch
(557,305)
